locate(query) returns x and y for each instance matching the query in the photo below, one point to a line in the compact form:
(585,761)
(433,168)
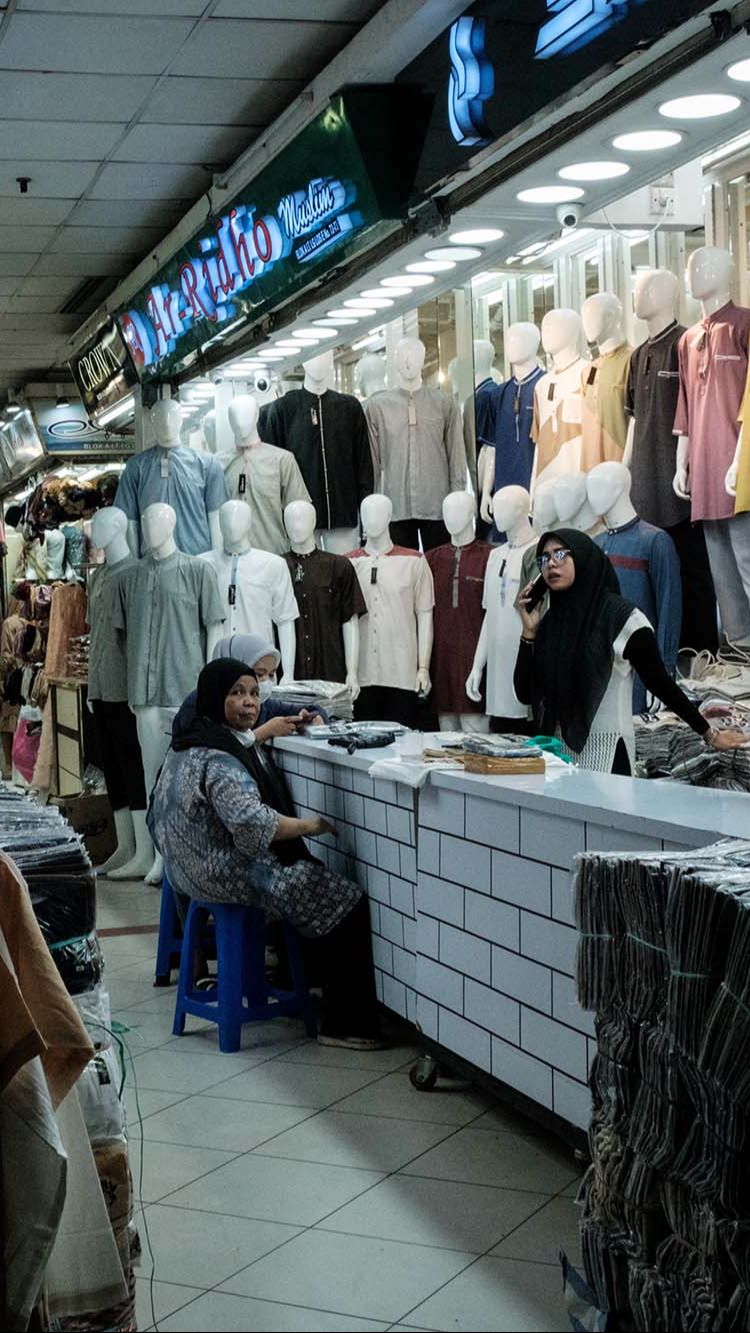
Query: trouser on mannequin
(469,722)
(154,727)
(382,703)
(339,541)
(407,532)
(120,757)
(700,629)
(514,726)
(728,545)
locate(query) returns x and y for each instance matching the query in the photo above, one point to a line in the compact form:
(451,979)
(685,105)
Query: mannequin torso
(497,646)
(329,600)
(458,570)
(604,422)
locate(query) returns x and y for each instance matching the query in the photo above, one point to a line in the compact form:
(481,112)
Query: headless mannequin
(510,510)
(370,374)
(604,421)
(709,275)
(299,521)
(235,521)
(376,513)
(476,416)
(572,504)
(166,419)
(544,513)
(243,418)
(319,374)
(557,397)
(458,516)
(522,342)
(262,476)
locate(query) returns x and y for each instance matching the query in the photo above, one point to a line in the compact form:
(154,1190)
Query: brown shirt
(328,594)
(458,575)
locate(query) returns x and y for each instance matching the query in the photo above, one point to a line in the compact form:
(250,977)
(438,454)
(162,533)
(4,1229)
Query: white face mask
(264,689)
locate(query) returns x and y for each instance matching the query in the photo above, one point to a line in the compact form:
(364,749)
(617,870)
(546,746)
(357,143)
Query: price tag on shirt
(232,594)
(164,466)
(412,414)
(374,575)
(242,484)
(314,415)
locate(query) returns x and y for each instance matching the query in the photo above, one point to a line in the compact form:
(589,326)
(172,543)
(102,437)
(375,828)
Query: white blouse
(613,720)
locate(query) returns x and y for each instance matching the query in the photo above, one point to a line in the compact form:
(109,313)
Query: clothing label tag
(232,594)
(299,572)
(551,393)
(314,415)
(374,575)
(590,378)
(242,484)
(667,374)
(164,466)
(412,415)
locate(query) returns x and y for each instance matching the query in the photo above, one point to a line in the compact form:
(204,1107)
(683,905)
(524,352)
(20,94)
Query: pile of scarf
(667,748)
(664,963)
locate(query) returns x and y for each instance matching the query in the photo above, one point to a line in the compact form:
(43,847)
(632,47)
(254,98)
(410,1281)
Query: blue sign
(574,23)
(471,81)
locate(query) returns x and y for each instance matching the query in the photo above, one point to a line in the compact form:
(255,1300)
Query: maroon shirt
(458,575)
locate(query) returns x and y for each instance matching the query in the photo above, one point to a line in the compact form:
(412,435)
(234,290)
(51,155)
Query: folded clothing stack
(329,694)
(667,748)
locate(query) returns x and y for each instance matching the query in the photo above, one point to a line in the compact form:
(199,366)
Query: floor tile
(144,1031)
(553,1228)
(496,1295)
(167,1297)
(149,1102)
(296,1085)
(395,1096)
(356,1140)
(215,1122)
(571,1190)
(235,1314)
(178,1072)
(353,1275)
(300,1193)
(507,1160)
(206,1248)
(258,1043)
(169,1166)
(443,1213)
(310,1053)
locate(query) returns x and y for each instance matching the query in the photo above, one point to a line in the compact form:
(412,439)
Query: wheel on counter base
(424,1074)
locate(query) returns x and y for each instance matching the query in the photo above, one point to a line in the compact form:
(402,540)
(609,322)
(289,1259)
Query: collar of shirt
(528,377)
(664,333)
(717,314)
(165,562)
(624,526)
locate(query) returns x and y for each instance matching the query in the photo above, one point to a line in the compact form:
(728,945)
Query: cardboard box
(91,816)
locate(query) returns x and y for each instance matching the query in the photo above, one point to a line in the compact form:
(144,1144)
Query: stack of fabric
(664,963)
(667,748)
(329,694)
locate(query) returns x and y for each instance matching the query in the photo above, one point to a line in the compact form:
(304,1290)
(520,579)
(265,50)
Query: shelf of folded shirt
(469,881)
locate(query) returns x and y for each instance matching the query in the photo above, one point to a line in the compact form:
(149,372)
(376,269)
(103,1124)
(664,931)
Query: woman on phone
(575,663)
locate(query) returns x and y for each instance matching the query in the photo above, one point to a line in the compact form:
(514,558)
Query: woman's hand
(310,719)
(278,726)
(728,739)
(318,825)
(530,619)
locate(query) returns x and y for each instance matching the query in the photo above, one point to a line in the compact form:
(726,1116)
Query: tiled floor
(296,1187)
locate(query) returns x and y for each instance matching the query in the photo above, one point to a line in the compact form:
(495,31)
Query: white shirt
(255,590)
(403,587)
(502,583)
(613,719)
(557,427)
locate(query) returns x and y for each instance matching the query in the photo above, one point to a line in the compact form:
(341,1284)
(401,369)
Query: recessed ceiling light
(349,315)
(327,330)
(476,236)
(373,303)
(360,308)
(401,285)
(740,71)
(305,333)
(306,340)
(646,141)
(550,194)
(456,252)
(288,346)
(431,266)
(593,171)
(342,319)
(274,356)
(412,279)
(699,106)
(374,295)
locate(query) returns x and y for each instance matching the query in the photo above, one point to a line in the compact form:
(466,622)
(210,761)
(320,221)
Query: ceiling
(119,113)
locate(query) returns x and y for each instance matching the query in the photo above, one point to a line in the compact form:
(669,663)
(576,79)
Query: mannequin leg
(339,541)
(154,727)
(450,721)
(700,626)
(125,849)
(120,757)
(732,588)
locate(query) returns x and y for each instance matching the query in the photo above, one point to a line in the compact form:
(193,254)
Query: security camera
(568,215)
(217,377)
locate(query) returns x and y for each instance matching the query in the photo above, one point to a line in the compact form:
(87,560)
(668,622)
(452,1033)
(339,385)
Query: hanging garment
(557,425)
(267,479)
(191,482)
(327,433)
(327,594)
(603,419)
(458,576)
(417,449)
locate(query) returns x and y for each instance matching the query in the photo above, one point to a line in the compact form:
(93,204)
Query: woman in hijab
(224,824)
(575,663)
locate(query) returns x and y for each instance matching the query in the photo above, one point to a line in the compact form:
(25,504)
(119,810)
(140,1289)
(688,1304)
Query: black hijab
(208,729)
(573,653)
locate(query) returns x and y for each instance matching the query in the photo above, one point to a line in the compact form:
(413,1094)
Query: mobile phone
(536,593)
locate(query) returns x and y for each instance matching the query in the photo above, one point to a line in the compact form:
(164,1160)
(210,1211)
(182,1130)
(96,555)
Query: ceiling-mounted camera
(568,215)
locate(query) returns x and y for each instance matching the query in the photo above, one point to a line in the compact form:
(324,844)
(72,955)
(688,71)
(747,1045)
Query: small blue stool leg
(195,920)
(299,980)
(230,949)
(170,945)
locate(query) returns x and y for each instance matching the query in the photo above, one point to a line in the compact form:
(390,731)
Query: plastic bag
(79,962)
(94,1008)
(99,1094)
(26,741)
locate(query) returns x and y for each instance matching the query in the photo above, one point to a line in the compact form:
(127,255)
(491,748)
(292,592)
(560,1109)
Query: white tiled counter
(470,894)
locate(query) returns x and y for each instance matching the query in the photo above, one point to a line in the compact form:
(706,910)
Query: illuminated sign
(103,370)
(573,23)
(67,430)
(471,81)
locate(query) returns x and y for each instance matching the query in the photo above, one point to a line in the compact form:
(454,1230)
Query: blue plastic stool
(242,994)
(169,947)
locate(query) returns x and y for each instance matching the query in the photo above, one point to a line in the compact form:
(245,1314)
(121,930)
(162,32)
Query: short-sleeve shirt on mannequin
(502,584)
(396,586)
(512,421)
(604,425)
(266,479)
(712,358)
(328,594)
(651,399)
(556,427)
(191,482)
(418,447)
(458,576)
(108,677)
(255,590)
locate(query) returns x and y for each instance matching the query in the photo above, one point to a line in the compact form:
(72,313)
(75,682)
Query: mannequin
(477,410)
(512,458)
(327,433)
(572,504)
(167,603)
(651,403)
(604,424)
(417,449)
(645,561)
(544,517)
(397,633)
(208,426)
(369,374)
(497,647)
(254,586)
(192,483)
(458,570)
(263,476)
(330,603)
(713,362)
(107,696)
(556,429)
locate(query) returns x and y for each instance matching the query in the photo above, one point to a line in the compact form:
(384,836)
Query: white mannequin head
(709,272)
(376,513)
(319,372)
(300,520)
(608,492)
(158,525)
(656,293)
(484,356)
(166,420)
(107,525)
(410,355)
(570,495)
(544,510)
(370,374)
(522,343)
(458,512)
(561,329)
(235,520)
(603,320)
(243,418)
(510,507)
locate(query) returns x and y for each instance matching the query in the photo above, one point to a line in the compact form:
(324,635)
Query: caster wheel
(424,1074)
(163,981)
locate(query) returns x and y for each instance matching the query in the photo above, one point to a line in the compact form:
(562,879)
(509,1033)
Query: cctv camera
(217,377)
(262,383)
(568,215)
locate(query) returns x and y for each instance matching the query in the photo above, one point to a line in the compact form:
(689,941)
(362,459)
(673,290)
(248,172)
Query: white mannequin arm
(730,481)
(425,632)
(133,542)
(627,457)
(474,683)
(214,528)
(213,634)
(681,483)
(350,631)
(487,466)
(288,648)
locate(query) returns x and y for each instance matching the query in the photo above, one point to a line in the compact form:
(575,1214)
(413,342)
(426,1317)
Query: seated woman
(220,818)
(575,663)
(275,718)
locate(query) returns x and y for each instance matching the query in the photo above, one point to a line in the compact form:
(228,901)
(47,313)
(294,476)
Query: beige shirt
(604,421)
(402,588)
(556,428)
(267,479)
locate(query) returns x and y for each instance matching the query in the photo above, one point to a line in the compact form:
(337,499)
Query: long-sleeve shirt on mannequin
(191,482)
(604,425)
(556,428)
(255,590)
(458,577)
(417,449)
(648,572)
(396,587)
(328,437)
(651,399)
(267,479)
(328,594)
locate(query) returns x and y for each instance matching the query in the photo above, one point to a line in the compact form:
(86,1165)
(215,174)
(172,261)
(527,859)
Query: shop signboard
(103,370)
(20,447)
(504,61)
(67,431)
(347,175)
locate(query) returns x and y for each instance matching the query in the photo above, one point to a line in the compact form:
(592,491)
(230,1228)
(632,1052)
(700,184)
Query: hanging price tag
(374,575)
(242,484)
(314,415)
(232,594)
(412,414)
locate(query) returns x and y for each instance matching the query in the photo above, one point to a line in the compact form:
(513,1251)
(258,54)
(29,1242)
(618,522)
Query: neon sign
(471,82)
(574,23)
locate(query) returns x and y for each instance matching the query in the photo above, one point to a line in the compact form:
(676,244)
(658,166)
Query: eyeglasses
(555,557)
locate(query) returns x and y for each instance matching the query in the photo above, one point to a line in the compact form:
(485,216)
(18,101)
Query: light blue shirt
(191,482)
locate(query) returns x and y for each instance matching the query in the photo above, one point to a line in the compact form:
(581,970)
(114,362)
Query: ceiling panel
(34,323)
(184,100)
(71,96)
(43,305)
(64,140)
(215,145)
(343,11)
(24,238)
(167,8)
(47,285)
(136,180)
(262,48)
(103,240)
(30,212)
(57,180)
(16,264)
(129,213)
(101,45)
(86,266)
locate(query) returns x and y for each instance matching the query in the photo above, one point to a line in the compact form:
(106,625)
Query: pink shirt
(712,357)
